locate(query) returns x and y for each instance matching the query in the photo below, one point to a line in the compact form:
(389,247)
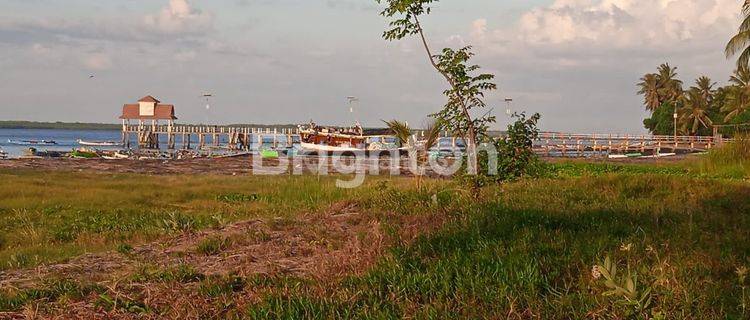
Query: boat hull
(98,143)
(32,142)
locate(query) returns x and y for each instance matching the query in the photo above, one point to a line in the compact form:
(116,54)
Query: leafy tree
(740,43)
(466,89)
(661,121)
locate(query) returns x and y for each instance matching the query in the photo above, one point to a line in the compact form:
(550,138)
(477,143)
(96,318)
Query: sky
(576,62)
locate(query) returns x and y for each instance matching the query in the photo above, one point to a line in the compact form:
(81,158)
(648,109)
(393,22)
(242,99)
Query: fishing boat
(32,142)
(98,143)
(3,154)
(354,140)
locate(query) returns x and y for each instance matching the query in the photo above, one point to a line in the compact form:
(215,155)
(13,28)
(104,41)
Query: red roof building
(148,108)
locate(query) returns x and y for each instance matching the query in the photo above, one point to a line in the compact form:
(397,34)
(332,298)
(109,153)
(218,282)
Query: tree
(706,88)
(662,96)
(695,111)
(738,95)
(661,121)
(466,90)
(401,130)
(740,43)
(670,88)
(650,90)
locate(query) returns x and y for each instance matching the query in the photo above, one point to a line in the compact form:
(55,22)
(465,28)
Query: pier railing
(549,143)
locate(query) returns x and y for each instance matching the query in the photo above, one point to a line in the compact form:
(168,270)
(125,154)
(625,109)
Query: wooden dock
(581,145)
(232,138)
(200,137)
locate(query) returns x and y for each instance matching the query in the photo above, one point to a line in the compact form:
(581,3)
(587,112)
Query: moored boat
(32,142)
(84,154)
(98,143)
(355,140)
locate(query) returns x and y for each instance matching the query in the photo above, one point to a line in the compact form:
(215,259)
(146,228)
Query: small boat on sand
(32,142)
(3,155)
(117,155)
(34,153)
(98,143)
(84,154)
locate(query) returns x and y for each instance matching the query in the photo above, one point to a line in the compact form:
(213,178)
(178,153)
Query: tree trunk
(471,141)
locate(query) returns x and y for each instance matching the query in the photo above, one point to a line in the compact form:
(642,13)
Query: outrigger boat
(98,143)
(32,142)
(354,140)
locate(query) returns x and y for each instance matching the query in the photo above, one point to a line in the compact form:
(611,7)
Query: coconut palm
(740,43)
(670,88)
(694,112)
(738,96)
(706,88)
(649,88)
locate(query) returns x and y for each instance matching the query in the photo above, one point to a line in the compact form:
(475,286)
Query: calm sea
(66,139)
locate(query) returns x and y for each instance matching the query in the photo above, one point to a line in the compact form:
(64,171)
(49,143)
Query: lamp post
(507,110)
(675,124)
(352,100)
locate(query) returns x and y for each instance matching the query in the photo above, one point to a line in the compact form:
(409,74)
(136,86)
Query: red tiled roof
(149,99)
(161,112)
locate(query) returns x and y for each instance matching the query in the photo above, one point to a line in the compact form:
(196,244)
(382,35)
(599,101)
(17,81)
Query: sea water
(67,140)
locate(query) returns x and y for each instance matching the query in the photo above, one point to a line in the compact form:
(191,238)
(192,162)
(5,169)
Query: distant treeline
(58,125)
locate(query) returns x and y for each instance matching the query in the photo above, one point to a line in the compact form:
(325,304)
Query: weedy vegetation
(576,239)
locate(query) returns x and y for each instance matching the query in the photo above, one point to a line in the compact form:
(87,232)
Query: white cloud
(179,17)
(627,23)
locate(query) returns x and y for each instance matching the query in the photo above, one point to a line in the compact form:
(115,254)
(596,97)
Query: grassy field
(676,234)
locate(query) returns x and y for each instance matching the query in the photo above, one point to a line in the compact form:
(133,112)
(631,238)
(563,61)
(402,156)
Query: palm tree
(706,88)
(650,90)
(694,111)
(741,41)
(738,97)
(431,138)
(401,130)
(670,88)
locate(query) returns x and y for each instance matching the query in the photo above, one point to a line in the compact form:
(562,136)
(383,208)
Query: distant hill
(58,125)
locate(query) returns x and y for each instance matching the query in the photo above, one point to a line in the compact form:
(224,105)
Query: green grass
(531,248)
(213,245)
(525,249)
(51,216)
(731,160)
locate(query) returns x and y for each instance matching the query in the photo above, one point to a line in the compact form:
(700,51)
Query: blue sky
(281,61)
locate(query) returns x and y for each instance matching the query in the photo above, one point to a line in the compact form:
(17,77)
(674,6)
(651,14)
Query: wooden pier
(182,136)
(581,145)
(201,137)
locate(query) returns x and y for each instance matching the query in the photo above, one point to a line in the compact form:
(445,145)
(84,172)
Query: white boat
(118,155)
(3,155)
(32,142)
(326,148)
(98,143)
(661,155)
